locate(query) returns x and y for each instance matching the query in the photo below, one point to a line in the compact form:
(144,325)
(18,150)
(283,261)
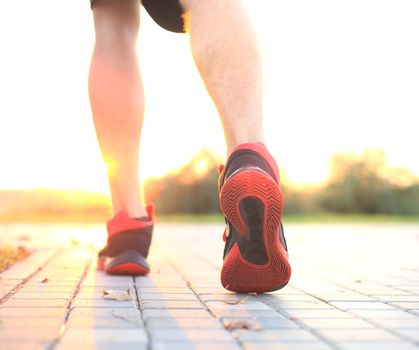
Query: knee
(116,22)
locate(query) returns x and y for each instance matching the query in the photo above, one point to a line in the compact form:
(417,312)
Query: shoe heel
(239,274)
(129,262)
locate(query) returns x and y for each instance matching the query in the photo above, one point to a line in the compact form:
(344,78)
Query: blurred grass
(215,218)
(349,219)
(298,219)
(10,255)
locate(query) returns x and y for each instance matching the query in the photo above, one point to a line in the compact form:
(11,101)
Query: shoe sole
(238,274)
(128,263)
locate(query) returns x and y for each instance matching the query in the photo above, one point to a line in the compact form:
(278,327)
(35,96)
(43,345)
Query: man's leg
(226,53)
(117,99)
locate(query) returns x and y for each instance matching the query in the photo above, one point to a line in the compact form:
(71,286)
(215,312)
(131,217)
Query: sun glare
(329,87)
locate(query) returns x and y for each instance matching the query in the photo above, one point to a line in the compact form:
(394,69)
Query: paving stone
(244,305)
(176,313)
(50,289)
(225,297)
(336,323)
(397,298)
(414,312)
(263,322)
(71,345)
(310,305)
(305,313)
(169,304)
(26,267)
(278,345)
(32,312)
(35,303)
(194,323)
(367,314)
(23,345)
(31,322)
(4,291)
(186,334)
(356,305)
(244,313)
(9,282)
(168,297)
(42,295)
(107,303)
(163,290)
(117,321)
(357,335)
(103,312)
(408,305)
(287,297)
(111,335)
(28,334)
(164,284)
(51,284)
(193,345)
(108,285)
(281,335)
(412,334)
(388,291)
(377,346)
(345,297)
(209,290)
(395,323)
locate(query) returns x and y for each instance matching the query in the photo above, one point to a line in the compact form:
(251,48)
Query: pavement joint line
(236,339)
(364,294)
(362,278)
(137,299)
(301,324)
(19,286)
(69,307)
(378,326)
(205,258)
(383,328)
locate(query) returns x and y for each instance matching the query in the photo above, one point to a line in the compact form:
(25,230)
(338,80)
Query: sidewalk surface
(353,287)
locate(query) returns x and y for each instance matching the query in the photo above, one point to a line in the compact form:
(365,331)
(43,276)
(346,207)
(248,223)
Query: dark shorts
(166,13)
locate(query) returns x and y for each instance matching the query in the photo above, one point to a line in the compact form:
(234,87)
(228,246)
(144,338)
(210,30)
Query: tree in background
(358,184)
(192,189)
(366,184)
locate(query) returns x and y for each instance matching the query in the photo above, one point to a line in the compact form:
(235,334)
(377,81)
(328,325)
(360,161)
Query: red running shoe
(255,254)
(128,244)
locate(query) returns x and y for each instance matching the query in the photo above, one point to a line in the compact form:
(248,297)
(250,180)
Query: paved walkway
(353,287)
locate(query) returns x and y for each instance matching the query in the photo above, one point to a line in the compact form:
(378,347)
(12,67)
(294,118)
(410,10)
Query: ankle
(134,212)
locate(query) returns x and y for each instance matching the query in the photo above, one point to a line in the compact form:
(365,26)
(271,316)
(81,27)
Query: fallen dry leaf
(120,295)
(22,252)
(242,324)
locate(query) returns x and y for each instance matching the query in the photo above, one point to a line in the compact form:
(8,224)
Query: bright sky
(339,76)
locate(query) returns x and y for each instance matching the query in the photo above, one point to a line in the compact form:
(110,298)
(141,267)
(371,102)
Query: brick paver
(353,287)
